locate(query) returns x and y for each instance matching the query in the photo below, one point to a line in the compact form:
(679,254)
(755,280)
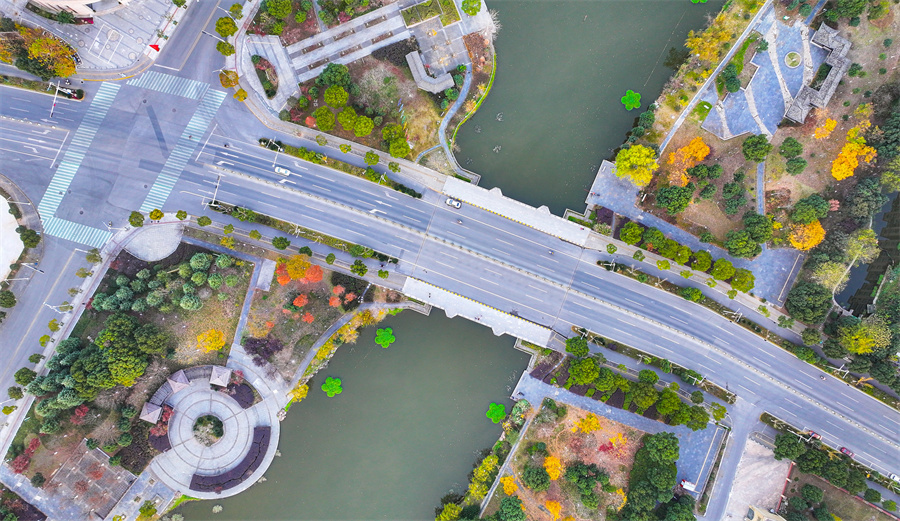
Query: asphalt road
(488,258)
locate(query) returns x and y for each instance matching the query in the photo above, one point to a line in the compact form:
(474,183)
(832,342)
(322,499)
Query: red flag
(155,47)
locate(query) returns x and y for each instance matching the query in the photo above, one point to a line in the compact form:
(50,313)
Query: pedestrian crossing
(169,84)
(77,149)
(183,150)
(76,232)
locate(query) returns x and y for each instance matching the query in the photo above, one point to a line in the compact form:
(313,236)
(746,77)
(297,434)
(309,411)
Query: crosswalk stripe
(184,149)
(77,149)
(76,232)
(169,84)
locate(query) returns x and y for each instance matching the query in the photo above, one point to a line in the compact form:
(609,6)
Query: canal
(405,430)
(554,112)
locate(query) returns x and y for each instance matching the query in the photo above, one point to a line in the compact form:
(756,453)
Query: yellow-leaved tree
(589,424)
(845,164)
(509,485)
(825,130)
(553,466)
(636,164)
(554,508)
(296,266)
(299,393)
(211,340)
(807,236)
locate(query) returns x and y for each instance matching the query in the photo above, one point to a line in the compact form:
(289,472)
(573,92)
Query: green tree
(743,280)
(536,478)
(692,294)
(226,27)
(496,412)
(681,509)
(636,164)
(871,334)
(330,258)
(399,148)
(631,233)
(809,302)
(281,243)
(668,402)
(324,118)
(337,97)
(347,117)
(29,238)
(583,371)
(662,448)
(739,243)
(699,418)
(758,226)
(371,158)
(471,7)
(697,397)
(363,126)
(675,199)
(204,221)
(151,340)
(394,167)
(136,219)
(790,147)
(872,496)
(862,246)
(225,48)
(450,512)
(577,346)
(359,268)
(702,261)
(7,299)
(648,376)
(24,376)
(280,9)
(644,395)
(810,209)
(848,8)
(723,269)
(15,393)
(795,165)
(789,446)
(510,506)
(334,74)
(811,336)
(756,148)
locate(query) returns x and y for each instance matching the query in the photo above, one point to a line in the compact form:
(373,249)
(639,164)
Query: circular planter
(793,59)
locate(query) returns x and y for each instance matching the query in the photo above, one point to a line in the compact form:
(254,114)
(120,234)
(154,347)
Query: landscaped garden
(208,429)
(361,102)
(303,301)
(265,71)
(146,320)
(292,21)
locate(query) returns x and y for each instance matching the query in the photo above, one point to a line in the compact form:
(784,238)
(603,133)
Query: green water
(559,80)
(405,430)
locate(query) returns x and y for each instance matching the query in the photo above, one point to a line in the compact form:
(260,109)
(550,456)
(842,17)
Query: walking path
(711,79)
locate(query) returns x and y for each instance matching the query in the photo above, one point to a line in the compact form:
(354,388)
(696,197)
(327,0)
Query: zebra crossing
(77,149)
(68,167)
(183,150)
(76,232)
(169,84)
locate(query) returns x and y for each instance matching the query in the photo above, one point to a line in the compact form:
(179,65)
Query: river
(404,431)
(562,68)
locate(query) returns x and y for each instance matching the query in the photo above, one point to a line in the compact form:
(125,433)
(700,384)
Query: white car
(283,171)
(895,477)
(453,202)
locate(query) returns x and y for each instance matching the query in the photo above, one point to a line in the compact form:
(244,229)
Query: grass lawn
(840,503)
(411,16)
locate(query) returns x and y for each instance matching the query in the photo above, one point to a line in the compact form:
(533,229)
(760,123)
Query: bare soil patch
(840,503)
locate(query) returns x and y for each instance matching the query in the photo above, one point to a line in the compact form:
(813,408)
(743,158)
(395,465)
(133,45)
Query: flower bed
(265,71)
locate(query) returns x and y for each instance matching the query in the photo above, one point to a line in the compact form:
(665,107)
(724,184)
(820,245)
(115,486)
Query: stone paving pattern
(760,107)
(155,243)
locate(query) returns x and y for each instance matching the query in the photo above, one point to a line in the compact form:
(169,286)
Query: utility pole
(27,265)
(55,94)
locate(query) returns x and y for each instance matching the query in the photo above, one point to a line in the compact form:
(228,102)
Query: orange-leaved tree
(211,340)
(686,157)
(314,273)
(553,466)
(301,300)
(807,236)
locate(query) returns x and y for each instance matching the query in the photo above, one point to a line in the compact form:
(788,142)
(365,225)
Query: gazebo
(178,381)
(151,412)
(220,376)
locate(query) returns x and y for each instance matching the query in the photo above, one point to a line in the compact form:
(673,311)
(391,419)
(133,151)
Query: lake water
(561,71)
(404,431)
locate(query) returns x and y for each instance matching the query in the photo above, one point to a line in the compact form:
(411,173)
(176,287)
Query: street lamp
(10,280)
(54,308)
(109,226)
(20,202)
(27,265)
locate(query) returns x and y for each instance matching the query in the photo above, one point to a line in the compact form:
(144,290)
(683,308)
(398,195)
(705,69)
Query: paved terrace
(348,42)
